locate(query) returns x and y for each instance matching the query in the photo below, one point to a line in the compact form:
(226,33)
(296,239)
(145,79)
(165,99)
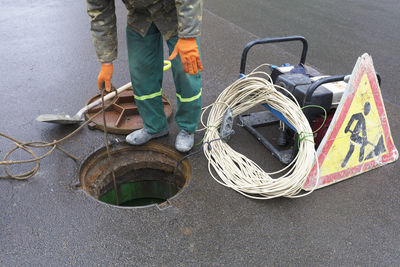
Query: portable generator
(317,94)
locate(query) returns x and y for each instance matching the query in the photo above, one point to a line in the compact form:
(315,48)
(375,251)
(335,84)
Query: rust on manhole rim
(146,175)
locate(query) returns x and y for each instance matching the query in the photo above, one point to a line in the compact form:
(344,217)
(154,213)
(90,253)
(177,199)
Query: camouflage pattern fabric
(172,17)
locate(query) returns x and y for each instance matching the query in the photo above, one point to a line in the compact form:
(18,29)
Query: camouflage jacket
(172,17)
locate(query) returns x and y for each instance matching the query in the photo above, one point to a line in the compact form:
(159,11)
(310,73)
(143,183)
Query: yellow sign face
(361,137)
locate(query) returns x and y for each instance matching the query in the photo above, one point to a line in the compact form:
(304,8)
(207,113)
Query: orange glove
(190,56)
(104,78)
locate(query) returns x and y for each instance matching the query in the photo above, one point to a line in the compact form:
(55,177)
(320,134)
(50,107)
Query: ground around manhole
(49,66)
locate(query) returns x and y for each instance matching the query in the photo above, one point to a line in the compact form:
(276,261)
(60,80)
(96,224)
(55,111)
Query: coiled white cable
(240,173)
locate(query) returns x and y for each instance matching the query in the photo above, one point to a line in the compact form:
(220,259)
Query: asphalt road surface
(338,31)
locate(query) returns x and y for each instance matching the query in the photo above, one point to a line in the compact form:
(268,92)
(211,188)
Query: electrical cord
(26,146)
(234,170)
(109,157)
(209,147)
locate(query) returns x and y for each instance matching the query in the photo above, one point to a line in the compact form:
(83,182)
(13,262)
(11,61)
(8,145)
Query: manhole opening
(143,187)
(145,175)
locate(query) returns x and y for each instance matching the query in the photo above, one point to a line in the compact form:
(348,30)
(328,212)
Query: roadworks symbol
(358,138)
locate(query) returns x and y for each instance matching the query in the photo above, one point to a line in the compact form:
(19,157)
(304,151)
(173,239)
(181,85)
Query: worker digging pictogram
(359,138)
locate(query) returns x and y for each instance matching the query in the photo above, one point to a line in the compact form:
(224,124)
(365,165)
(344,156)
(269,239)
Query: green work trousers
(146,63)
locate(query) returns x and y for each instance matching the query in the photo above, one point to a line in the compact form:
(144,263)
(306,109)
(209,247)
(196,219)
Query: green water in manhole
(141,193)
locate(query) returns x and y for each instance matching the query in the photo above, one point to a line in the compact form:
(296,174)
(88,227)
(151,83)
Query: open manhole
(145,175)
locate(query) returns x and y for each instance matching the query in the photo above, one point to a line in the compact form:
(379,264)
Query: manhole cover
(123,116)
(145,174)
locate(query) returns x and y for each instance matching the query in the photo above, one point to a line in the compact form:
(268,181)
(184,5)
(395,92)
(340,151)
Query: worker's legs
(145,55)
(188,92)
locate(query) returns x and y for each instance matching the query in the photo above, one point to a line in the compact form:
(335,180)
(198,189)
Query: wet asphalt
(338,32)
(48,65)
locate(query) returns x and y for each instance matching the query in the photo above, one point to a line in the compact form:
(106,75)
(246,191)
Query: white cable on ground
(240,173)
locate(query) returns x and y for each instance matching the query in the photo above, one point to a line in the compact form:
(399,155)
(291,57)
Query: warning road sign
(358,138)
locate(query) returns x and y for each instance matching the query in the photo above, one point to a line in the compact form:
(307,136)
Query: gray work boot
(139,137)
(184,141)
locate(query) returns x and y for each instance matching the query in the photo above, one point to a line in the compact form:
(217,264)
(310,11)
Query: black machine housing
(309,88)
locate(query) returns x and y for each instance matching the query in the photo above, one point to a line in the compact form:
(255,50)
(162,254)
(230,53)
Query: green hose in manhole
(146,175)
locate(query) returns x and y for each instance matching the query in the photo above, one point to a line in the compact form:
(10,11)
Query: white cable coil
(241,173)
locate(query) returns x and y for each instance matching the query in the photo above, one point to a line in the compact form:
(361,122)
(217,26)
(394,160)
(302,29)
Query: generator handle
(274,40)
(331,79)
(318,83)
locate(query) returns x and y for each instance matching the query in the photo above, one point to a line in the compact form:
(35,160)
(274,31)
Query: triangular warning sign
(358,138)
